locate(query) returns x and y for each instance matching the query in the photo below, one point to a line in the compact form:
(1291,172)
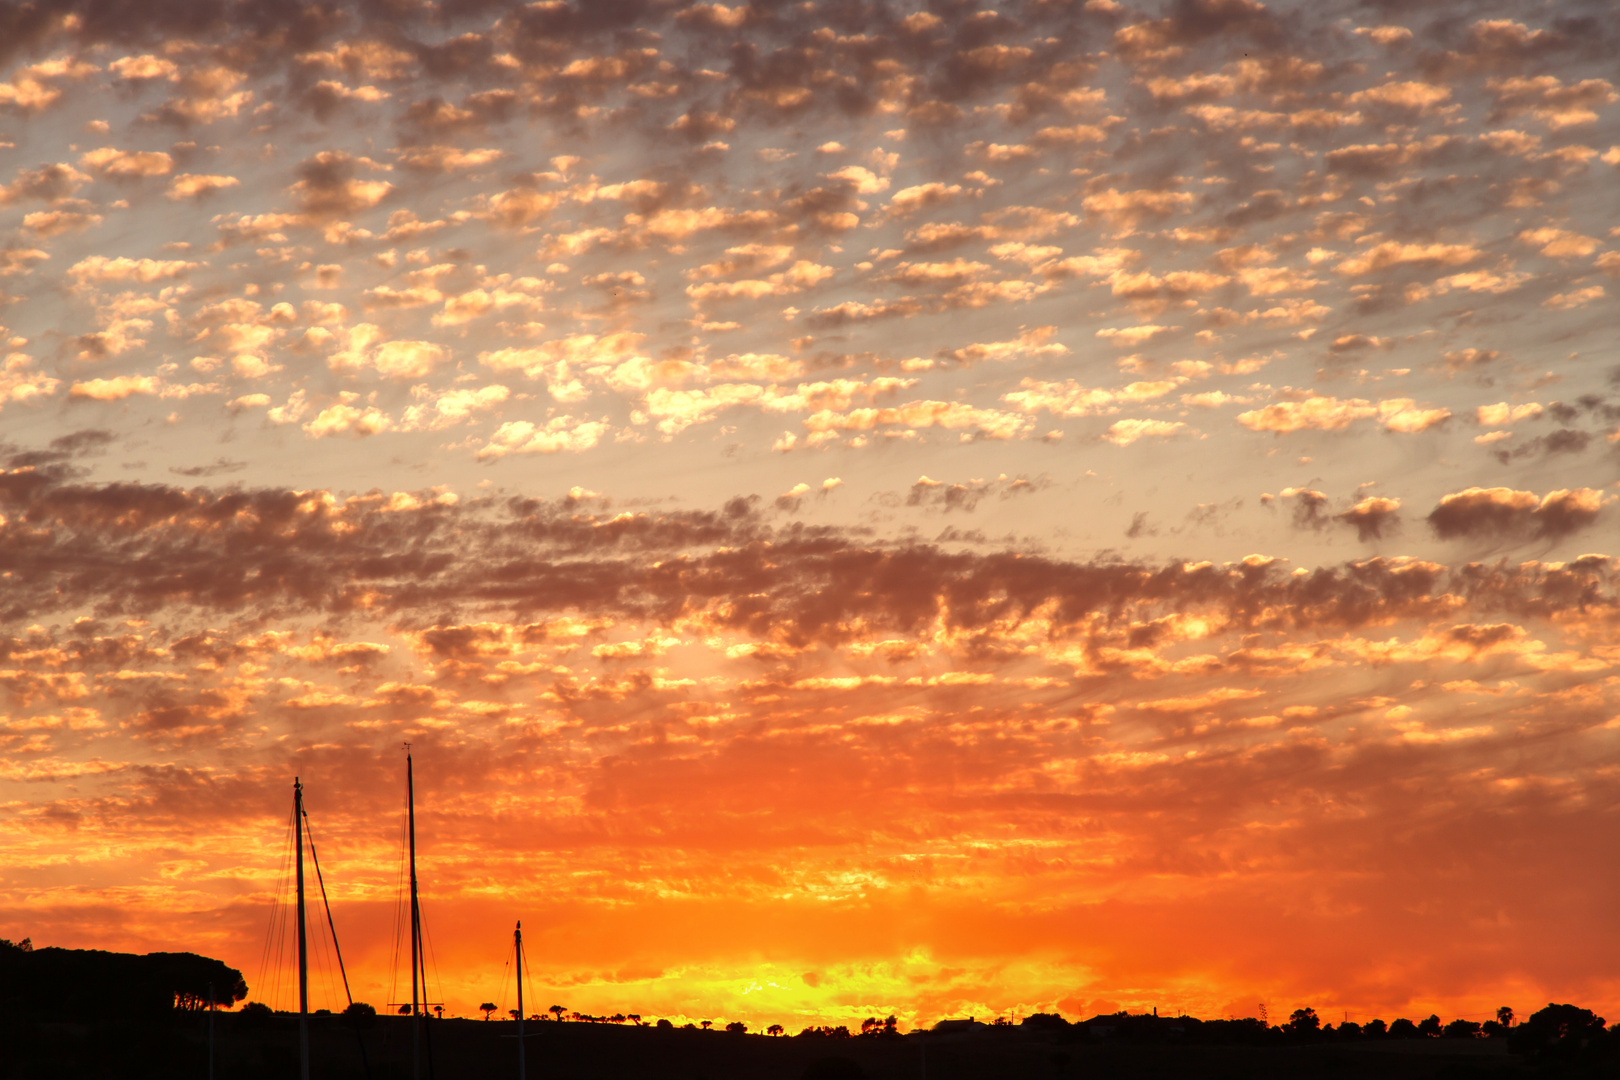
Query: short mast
(517,945)
(303,944)
(416,925)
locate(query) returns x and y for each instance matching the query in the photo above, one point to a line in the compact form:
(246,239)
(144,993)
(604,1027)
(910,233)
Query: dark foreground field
(480,1050)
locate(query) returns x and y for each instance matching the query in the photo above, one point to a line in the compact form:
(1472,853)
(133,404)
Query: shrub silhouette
(1430,1028)
(1403,1029)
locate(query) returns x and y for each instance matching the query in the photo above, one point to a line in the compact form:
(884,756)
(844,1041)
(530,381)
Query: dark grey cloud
(1503,514)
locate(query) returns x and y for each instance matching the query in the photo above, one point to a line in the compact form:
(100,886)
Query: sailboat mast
(517,944)
(303,944)
(416,926)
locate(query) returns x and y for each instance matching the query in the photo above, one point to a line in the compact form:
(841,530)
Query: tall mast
(416,925)
(517,944)
(303,945)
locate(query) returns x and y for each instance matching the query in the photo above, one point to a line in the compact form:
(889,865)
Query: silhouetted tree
(404,1010)
(487,1007)
(665,1024)
(256,1014)
(1402,1028)
(1430,1028)
(737,1027)
(360,1014)
(1303,1022)
(707,1024)
(774,1029)
(1504,1016)
(1461,1029)
(1349,1030)
(1374,1029)
(634,1018)
(1557,1029)
(439,1011)
(558,1010)
(191,979)
(513,1013)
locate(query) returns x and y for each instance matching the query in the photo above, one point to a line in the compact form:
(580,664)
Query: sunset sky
(859,508)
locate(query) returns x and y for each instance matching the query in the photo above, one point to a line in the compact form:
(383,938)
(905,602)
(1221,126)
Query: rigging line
(327,904)
(437,977)
(506,972)
(334,974)
(276,932)
(279,960)
(321,957)
(275,903)
(309,831)
(399,912)
(524,974)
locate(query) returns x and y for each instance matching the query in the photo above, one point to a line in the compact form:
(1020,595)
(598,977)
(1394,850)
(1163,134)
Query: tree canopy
(121,984)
